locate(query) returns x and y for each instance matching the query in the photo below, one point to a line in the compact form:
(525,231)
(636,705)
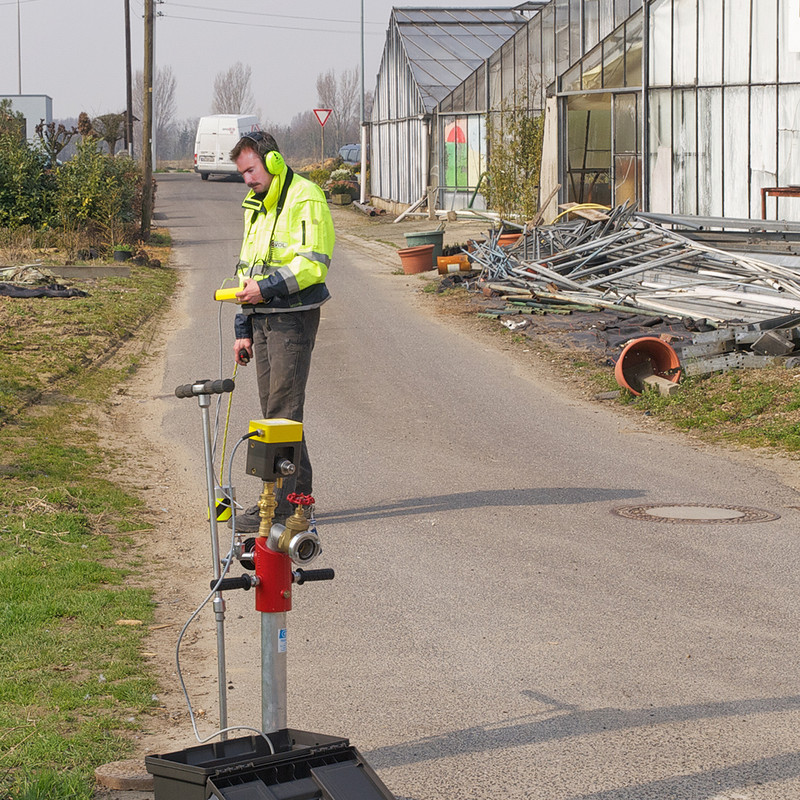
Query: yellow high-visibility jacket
(287,252)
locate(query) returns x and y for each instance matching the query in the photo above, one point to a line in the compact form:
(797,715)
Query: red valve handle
(300,499)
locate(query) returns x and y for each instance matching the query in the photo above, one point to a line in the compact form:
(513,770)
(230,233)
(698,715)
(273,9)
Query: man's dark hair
(259,142)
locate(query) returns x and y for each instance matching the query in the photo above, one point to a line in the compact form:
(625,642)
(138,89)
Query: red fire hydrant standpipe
(294,763)
(273,452)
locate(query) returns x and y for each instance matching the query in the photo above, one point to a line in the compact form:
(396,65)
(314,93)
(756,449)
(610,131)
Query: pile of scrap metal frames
(628,263)
(745,311)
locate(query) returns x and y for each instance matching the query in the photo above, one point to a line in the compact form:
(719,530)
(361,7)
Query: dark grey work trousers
(283,343)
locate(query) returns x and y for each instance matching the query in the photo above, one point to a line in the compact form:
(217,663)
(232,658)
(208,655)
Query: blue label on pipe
(282,640)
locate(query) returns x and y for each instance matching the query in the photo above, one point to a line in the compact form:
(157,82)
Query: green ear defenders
(274,162)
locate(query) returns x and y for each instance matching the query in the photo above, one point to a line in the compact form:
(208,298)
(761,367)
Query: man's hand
(242,351)
(249,294)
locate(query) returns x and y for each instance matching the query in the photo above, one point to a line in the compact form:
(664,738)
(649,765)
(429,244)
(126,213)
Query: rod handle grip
(205,387)
(226,584)
(307,575)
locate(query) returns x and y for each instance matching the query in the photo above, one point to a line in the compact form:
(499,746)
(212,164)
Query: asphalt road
(494,629)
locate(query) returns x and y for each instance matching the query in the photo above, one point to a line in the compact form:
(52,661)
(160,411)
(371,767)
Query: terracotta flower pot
(646,356)
(416,259)
(507,239)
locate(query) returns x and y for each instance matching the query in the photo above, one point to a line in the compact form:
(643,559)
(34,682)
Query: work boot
(247,521)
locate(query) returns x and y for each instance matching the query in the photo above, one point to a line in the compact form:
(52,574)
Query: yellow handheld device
(227,292)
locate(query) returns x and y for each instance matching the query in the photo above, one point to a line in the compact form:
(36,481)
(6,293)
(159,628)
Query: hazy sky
(74,50)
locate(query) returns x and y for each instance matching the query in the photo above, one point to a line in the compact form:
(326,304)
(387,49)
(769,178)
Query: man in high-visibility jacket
(286,251)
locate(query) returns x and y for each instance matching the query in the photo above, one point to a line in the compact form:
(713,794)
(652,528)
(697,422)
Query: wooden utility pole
(147,121)
(128,87)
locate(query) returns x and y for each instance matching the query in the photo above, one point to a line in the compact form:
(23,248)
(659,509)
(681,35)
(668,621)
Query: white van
(216,137)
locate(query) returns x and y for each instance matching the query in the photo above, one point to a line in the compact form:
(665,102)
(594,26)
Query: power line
(354,31)
(266,14)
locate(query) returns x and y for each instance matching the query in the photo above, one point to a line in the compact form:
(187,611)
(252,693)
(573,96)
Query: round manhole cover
(696,512)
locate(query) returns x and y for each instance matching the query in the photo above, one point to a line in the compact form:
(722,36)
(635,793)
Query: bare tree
(342,95)
(232,92)
(109,128)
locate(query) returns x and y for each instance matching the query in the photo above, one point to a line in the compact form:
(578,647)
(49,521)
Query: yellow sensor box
(276,431)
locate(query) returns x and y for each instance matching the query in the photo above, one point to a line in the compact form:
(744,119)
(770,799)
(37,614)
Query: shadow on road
(489,498)
(708,784)
(565,722)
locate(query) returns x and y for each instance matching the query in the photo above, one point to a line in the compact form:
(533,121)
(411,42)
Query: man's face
(251,168)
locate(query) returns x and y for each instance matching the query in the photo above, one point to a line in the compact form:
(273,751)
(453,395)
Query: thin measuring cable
(214,589)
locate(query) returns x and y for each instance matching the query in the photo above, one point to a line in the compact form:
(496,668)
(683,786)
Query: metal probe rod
(219,602)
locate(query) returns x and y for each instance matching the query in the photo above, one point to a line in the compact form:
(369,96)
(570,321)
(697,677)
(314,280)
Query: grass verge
(73,682)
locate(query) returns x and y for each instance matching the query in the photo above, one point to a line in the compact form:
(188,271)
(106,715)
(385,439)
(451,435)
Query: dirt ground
(133,416)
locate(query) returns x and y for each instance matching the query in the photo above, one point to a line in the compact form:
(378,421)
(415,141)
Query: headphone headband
(273,160)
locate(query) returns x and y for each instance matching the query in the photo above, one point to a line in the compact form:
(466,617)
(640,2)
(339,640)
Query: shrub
(99,192)
(319,176)
(342,174)
(341,188)
(27,189)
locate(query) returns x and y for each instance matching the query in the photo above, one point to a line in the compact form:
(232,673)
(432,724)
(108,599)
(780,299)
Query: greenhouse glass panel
(562,34)
(684,157)
(470,97)
(524,90)
(789,141)
(763,143)
(626,123)
(548,45)
(480,87)
(634,40)
(709,67)
(614,59)
(621,11)
(765,43)
(684,37)
(789,46)
(591,24)
(534,63)
(571,80)
(589,148)
(661,43)
(593,69)
(495,83)
(627,153)
(660,150)
(735,134)
(606,15)
(507,73)
(575,28)
(736,53)
(476,150)
(709,151)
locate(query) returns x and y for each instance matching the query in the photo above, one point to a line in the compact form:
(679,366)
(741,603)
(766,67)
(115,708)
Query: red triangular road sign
(322,115)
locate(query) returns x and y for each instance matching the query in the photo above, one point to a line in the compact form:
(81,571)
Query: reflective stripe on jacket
(290,264)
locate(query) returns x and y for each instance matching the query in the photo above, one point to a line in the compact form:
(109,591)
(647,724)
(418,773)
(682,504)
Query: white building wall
(34,107)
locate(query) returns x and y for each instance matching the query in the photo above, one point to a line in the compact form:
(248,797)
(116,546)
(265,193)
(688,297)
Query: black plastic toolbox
(339,773)
(184,775)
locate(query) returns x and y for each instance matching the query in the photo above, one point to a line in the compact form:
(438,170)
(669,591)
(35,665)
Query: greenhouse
(681,106)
